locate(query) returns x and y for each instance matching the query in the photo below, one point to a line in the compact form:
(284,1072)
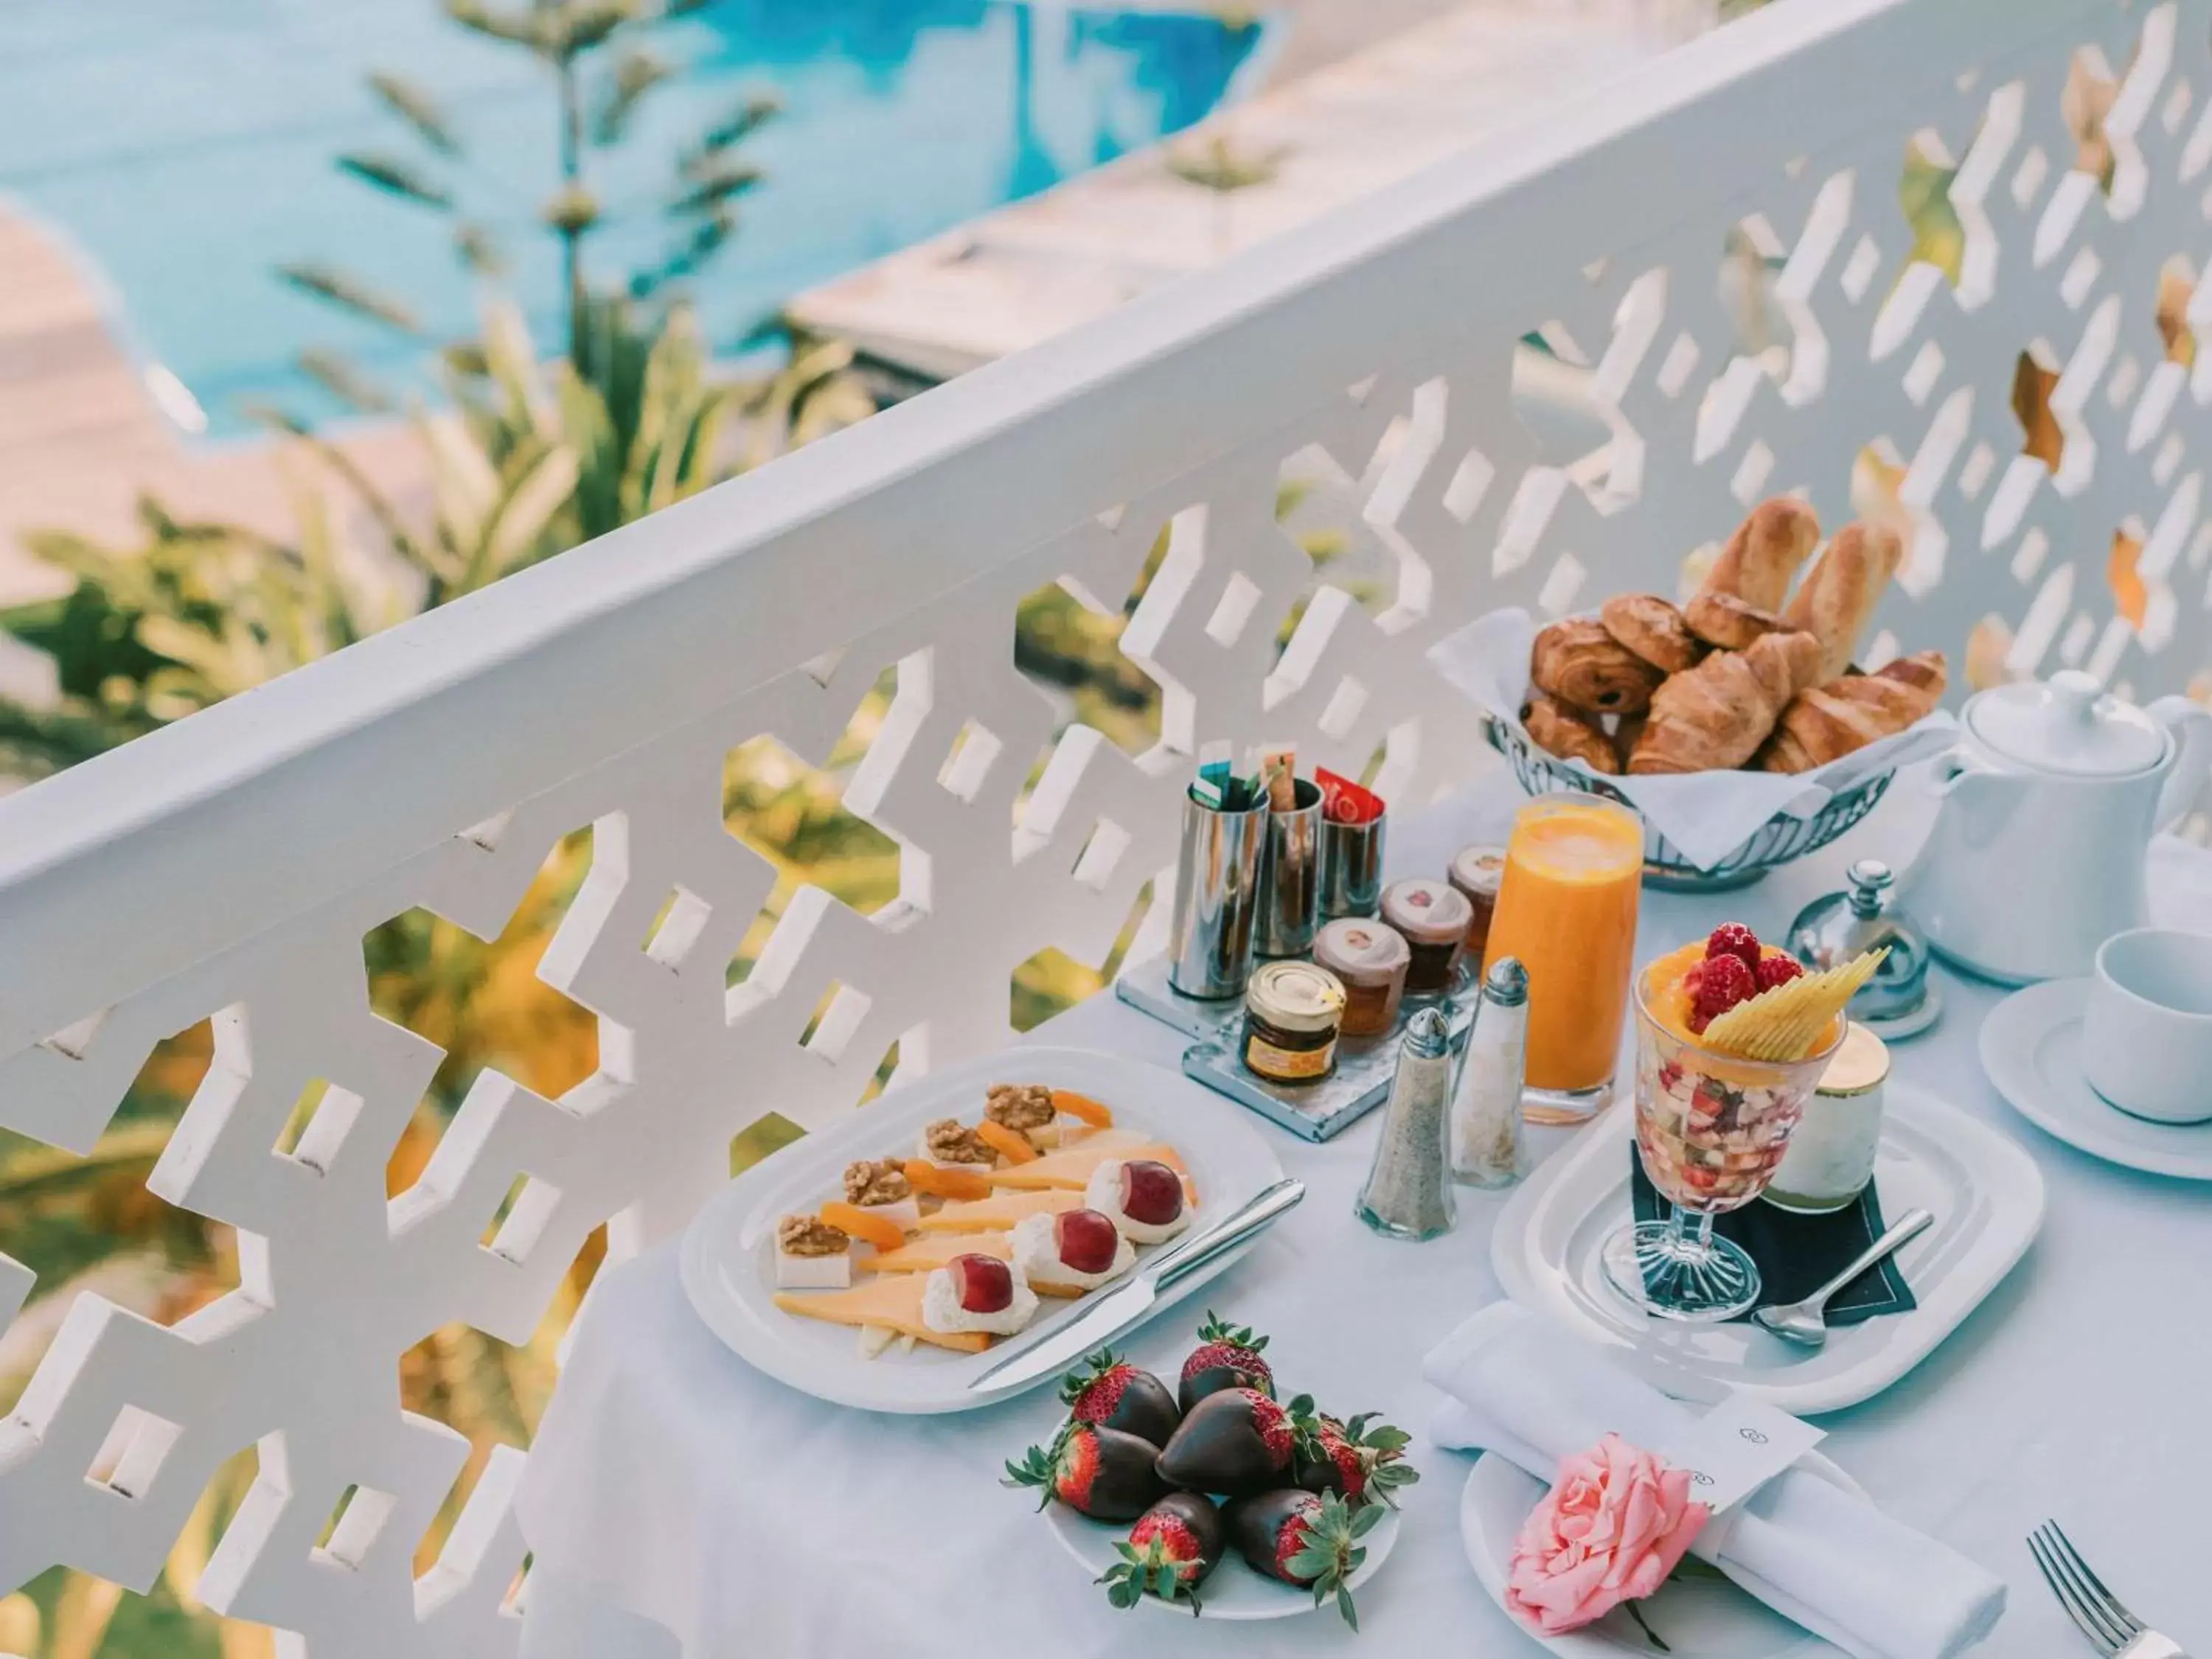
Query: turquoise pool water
(187,147)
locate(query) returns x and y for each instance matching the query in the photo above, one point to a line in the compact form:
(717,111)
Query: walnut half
(950,1141)
(876,1181)
(807,1235)
(1020,1105)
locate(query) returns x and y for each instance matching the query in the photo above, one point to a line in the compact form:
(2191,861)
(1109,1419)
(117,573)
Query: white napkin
(1833,1563)
(1707,815)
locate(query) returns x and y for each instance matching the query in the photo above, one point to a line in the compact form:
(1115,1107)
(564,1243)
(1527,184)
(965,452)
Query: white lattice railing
(230,866)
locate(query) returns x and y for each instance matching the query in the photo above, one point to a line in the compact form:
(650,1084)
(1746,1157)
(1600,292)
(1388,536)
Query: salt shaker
(1486,1111)
(1408,1193)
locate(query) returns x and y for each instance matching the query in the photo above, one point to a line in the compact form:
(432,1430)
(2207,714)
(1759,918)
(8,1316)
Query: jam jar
(1371,959)
(1293,1011)
(1433,918)
(1476,873)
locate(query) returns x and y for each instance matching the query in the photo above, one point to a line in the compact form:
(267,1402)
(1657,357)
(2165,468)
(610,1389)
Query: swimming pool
(187,147)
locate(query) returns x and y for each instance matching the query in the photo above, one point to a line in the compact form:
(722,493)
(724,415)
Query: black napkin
(1798,1254)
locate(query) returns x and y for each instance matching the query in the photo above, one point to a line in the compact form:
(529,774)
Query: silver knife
(1057,1350)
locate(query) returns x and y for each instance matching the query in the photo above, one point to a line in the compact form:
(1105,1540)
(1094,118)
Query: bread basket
(1780,839)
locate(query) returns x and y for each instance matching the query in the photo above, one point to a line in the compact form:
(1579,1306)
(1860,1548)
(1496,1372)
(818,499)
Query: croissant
(1840,593)
(1653,629)
(1847,714)
(1723,620)
(1584,667)
(1715,715)
(1560,731)
(1760,559)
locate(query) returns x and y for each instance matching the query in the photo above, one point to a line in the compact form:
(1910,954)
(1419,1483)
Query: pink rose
(1610,1530)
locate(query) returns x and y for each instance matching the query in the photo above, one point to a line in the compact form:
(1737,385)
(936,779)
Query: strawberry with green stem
(1104,1473)
(1227,1356)
(1364,1464)
(1300,1538)
(1168,1554)
(1115,1395)
(1238,1440)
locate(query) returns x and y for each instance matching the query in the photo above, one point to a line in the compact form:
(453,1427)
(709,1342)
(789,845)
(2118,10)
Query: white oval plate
(1984,1191)
(727,1262)
(1232,1591)
(1698,1618)
(2032,1050)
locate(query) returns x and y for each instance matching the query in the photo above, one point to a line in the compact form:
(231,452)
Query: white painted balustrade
(230,867)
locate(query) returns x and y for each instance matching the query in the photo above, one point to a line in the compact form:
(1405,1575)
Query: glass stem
(1688,1242)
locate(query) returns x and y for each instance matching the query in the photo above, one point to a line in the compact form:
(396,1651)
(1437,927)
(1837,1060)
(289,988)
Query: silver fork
(2099,1614)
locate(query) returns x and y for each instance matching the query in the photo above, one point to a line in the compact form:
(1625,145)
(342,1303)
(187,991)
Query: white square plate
(728,1259)
(1985,1193)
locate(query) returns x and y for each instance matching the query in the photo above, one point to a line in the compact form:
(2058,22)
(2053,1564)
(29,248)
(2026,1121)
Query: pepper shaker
(1486,1113)
(1408,1193)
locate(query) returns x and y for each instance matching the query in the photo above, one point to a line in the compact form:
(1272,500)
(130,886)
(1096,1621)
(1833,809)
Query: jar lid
(2068,724)
(1861,1062)
(1362,952)
(1479,868)
(1295,996)
(1427,912)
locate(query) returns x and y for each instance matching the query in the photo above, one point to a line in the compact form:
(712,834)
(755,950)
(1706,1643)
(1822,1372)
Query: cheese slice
(919,1255)
(999,1212)
(1073,1166)
(890,1300)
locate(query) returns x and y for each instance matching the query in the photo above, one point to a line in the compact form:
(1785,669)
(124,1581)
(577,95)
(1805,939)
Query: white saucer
(1700,1617)
(2032,1050)
(1232,1591)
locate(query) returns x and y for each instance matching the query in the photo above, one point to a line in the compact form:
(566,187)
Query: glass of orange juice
(1566,907)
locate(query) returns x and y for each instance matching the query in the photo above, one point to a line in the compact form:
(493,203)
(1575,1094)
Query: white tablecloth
(671,1482)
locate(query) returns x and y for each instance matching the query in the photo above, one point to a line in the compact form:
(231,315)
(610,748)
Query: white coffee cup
(2146,1039)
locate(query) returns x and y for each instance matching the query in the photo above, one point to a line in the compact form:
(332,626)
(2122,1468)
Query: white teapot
(2049,803)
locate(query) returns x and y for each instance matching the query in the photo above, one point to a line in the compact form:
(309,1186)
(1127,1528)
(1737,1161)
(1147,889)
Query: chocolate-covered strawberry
(1234,1442)
(1101,1472)
(1170,1551)
(1228,1357)
(1115,1394)
(1361,1464)
(1302,1538)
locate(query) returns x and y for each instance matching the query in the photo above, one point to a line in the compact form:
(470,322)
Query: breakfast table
(678,1502)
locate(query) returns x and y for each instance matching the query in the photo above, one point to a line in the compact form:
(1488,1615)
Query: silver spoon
(1803,1322)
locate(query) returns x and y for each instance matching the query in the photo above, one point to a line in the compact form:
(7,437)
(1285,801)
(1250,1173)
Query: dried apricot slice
(1010,1143)
(940,1181)
(1082,1107)
(865,1224)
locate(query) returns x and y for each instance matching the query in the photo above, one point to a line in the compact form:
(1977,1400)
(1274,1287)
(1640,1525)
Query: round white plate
(1232,1591)
(728,1257)
(1698,1618)
(2032,1050)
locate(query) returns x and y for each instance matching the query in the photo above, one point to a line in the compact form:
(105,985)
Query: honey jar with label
(1292,1013)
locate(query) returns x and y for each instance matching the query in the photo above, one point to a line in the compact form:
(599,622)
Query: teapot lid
(2068,724)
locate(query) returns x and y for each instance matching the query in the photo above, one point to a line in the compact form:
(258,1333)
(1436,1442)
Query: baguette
(1760,558)
(1842,589)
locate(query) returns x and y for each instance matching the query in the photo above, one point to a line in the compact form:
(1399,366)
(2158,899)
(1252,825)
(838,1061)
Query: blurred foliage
(603,64)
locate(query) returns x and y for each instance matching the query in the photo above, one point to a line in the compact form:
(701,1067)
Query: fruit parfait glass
(1711,1127)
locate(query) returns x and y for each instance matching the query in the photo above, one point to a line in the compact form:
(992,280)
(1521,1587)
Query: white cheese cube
(813,1273)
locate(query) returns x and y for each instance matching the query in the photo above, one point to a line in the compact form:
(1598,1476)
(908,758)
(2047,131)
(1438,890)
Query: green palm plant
(603,67)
